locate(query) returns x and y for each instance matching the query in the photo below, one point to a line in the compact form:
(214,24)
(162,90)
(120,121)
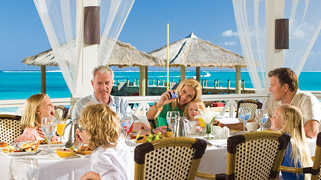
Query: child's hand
(82,136)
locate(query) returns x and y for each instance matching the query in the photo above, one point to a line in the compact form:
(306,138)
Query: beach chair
(251,104)
(10,127)
(170,158)
(253,155)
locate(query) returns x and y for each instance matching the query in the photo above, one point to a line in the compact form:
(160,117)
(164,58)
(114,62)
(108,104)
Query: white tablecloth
(51,167)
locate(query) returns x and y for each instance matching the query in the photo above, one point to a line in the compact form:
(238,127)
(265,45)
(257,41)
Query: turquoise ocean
(22,84)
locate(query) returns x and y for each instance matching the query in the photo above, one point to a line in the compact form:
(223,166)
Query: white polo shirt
(305,101)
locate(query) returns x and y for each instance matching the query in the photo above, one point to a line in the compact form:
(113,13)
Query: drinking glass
(24,169)
(261,117)
(76,125)
(244,115)
(126,121)
(48,126)
(60,129)
(171,117)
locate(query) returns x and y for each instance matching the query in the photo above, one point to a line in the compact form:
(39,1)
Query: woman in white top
(111,158)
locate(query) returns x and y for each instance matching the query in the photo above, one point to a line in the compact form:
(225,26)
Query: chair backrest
(61,112)
(10,127)
(249,103)
(255,155)
(317,160)
(169,158)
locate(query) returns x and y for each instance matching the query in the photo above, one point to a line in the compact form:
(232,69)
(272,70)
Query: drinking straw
(167,56)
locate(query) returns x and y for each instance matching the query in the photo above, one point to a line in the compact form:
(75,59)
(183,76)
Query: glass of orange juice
(60,129)
(202,123)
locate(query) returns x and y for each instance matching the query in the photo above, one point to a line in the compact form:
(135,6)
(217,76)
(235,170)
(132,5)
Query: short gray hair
(102,70)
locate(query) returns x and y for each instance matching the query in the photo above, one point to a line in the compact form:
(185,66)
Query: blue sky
(22,34)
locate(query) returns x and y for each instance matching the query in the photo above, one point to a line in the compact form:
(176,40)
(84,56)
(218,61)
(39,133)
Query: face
(276,89)
(45,109)
(102,84)
(192,111)
(186,95)
(277,121)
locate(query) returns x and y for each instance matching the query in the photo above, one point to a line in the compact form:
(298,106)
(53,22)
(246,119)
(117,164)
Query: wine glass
(60,129)
(244,115)
(126,121)
(171,117)
(261,117)
(24,168)
(48,126)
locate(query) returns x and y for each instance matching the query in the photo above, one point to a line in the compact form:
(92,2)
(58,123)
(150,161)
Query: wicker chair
(10,127)
(249,103)
(315,169)
(254,155)
(61,112)
(170,158)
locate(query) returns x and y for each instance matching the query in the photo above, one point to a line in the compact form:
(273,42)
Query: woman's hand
(165,99)
(82,136)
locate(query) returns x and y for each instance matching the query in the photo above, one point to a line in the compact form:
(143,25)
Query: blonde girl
(36,107)
(288,118)
(111,158)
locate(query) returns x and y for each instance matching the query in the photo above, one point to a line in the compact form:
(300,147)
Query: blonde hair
(199,103)
(102,124)
(194,84)
(29,116)
(293,120)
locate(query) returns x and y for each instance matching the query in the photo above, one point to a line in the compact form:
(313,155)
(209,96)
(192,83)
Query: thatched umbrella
(194,52)
(123,55)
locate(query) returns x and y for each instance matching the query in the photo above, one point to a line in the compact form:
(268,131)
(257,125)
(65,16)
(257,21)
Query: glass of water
(24,169)
(48,127)
(171,117)
(261,116)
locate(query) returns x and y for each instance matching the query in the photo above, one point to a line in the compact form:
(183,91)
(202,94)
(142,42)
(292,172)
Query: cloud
(229,43)
(229,33)
(315,53)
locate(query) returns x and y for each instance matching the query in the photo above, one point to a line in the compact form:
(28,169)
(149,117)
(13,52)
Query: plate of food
(52,144)
(84,150)
(28,148)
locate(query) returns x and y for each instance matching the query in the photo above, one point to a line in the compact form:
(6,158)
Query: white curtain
(66,36)
(304,26)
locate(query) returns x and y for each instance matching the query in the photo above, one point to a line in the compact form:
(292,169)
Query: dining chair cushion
(10,127)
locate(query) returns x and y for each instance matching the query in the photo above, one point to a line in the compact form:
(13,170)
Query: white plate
(51,145)
(21,153)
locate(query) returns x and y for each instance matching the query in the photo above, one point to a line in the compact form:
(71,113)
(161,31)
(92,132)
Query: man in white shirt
(285,90)
(102,82)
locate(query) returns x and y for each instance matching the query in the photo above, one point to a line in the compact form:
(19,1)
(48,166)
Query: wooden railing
(145,101)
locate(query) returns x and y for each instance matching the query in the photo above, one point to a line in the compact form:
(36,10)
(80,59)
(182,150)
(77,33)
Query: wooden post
(146,82)
(218,83)
(43,79)
(215,84)
(198,74)
(183,72)
(243,85)
(228,84)
(202,82)
(238,79)
(134,84)
(142,80)
(157,82)
(163,82)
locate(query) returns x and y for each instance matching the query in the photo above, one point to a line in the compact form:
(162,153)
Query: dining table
(52,167)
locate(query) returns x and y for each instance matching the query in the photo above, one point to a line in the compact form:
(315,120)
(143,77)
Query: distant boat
(206,75)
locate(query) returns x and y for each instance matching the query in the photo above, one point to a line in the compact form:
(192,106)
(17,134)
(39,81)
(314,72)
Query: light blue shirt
(117,104)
